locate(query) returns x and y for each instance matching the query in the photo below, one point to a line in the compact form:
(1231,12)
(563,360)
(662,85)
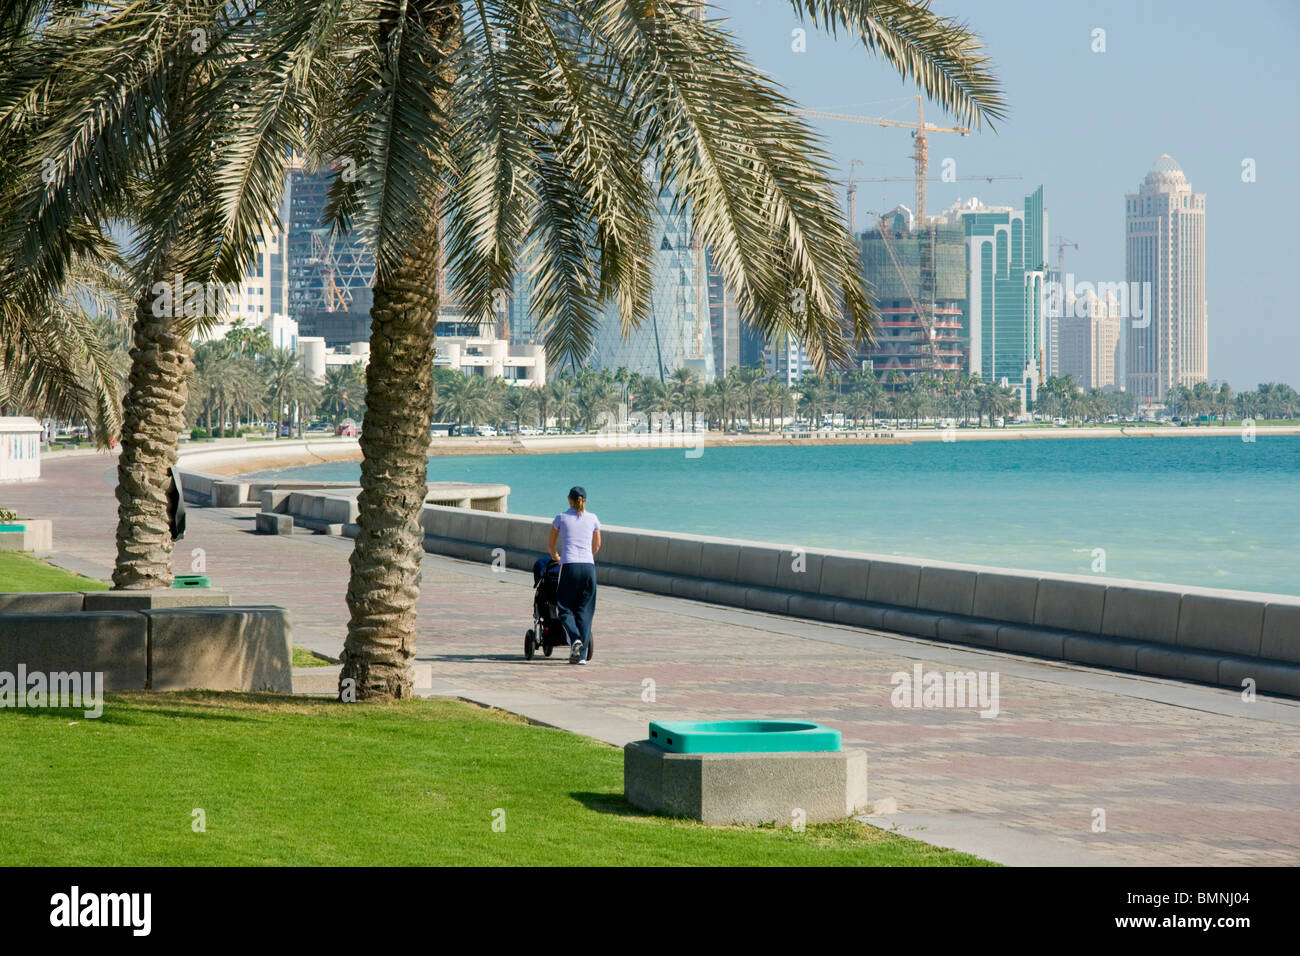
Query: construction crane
(336,297)
(908,179)
(853,197)
(852,186)
(1061,245)
(920,149)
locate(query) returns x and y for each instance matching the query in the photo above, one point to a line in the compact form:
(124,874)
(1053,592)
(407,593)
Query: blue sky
(1210,84)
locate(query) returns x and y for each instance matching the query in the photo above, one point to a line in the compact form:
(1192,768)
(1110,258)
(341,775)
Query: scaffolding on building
(917,275)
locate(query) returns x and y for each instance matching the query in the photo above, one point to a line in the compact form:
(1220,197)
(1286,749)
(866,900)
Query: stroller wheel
(528,645)
(546,649)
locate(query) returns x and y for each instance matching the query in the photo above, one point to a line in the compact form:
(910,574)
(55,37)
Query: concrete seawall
(1227,638)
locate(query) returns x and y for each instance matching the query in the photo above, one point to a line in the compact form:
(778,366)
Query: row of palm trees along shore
(232,391)
(147,145)
(239,381)
(750,395)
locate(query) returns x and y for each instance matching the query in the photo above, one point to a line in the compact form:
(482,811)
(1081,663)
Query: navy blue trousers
(576,599)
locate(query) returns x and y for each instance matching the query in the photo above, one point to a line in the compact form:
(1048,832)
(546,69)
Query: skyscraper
(329,275)
(1008,262)
(676,333)
(1088,341)
(917,276)
(1165,255)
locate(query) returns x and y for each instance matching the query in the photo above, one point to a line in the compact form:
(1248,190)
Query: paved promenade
(1183,774)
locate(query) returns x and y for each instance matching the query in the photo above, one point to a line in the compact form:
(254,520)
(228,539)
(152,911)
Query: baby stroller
(547,632)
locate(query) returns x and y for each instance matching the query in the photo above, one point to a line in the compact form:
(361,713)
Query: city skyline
(1089,114)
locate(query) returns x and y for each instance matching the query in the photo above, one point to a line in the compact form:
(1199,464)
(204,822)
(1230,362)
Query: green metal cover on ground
(191,581)
(743,736)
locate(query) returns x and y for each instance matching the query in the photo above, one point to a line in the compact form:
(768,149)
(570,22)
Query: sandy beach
(238,457)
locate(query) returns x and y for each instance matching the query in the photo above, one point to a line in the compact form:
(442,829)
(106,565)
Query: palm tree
(552,126)
(137,131)
(751,380)
(563,401)
(873,395)
(778,402)
(463,399)
(280,369)
(895,381)
(1223,398)
(596,399)
(58,354)
(521,404)
(334,391)
(64,300)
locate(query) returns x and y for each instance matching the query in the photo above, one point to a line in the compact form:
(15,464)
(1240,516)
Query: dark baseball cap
(577,491)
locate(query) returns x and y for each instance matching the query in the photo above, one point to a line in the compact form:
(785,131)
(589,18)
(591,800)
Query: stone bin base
(38,536)
(747,788)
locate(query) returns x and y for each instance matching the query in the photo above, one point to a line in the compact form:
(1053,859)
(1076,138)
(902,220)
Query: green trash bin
(191,581)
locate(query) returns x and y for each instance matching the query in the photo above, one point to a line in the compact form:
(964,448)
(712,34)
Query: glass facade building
(677,333)
(329,275)
(1007,262)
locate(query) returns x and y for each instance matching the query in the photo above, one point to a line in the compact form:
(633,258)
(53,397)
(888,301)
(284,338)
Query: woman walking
(577,532)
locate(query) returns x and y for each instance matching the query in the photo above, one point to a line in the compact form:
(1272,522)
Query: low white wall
(20,449)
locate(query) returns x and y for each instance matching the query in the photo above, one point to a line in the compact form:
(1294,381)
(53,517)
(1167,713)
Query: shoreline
(238,458)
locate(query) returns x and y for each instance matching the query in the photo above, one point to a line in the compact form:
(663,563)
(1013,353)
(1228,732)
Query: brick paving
(1177,784)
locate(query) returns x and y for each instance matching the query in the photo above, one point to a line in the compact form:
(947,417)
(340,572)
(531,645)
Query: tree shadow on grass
(614,804)
(123,716)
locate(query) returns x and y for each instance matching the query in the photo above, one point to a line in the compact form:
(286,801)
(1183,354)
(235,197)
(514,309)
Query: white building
(1165,253)
(20,448)
(1088,341)
(786,361)
(520,365)
(282,330)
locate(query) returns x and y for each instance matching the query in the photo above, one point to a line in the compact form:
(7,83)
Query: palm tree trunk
(153,416)
(385,562)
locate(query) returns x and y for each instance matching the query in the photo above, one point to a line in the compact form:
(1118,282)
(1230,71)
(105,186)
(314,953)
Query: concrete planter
(745,788)
(149,640)
(27,534)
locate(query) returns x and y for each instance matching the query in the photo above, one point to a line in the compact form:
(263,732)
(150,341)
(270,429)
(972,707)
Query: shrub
(198,433)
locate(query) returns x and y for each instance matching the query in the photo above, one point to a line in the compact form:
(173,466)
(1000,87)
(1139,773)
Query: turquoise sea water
(1215,512)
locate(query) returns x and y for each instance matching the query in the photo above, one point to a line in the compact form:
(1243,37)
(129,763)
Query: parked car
(1058,422)
(346,430)
(485,431)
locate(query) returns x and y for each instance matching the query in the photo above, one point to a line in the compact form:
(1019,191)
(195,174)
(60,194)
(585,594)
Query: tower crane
(336,297)
(920,149)
(1061,245)
(853,198)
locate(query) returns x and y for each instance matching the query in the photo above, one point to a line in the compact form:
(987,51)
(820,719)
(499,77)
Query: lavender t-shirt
(575,536)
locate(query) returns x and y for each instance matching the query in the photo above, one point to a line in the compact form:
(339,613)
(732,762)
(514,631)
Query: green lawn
(297,781)
(22,572)
(302,657)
